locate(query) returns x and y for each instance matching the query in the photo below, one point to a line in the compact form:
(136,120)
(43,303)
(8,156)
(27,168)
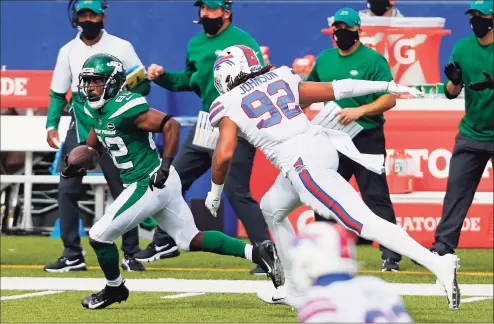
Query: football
(84,156)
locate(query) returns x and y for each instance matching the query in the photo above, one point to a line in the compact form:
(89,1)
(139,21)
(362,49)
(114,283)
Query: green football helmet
(100,71)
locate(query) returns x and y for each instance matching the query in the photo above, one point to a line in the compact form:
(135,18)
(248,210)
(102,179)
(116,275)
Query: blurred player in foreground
(262,105)
(122,123)
(324,268)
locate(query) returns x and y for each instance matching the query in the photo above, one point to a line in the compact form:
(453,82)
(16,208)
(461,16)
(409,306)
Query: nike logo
(92,306)
(276,299)
(159,248)
(68,262)
(267,265)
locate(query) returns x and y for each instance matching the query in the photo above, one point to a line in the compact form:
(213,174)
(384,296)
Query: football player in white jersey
(261,104)
(323,263)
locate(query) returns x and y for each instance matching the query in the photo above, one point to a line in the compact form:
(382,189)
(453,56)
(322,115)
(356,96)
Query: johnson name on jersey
(133,150)
(362,299)
(267,112)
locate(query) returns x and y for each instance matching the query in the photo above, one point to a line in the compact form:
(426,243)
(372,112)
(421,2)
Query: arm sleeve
(382,72)
(178,81)
(216,112)
(60,85)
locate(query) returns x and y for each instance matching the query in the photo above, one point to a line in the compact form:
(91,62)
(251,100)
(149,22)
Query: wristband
(216,189)
(166,162)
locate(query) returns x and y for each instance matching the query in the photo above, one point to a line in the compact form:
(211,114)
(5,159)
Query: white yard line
(42,293)
(474,299)
(184,295)
(210,286)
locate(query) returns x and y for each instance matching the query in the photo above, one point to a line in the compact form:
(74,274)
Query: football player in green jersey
(122,123)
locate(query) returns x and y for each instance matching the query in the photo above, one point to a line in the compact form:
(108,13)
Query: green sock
(108,260)
(219,243)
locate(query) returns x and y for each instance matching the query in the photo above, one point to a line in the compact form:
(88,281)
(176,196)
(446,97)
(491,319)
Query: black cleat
(267,258)
(106,297)
(390,265)
(64,264)
(258,271)
(131,264)
(154,252)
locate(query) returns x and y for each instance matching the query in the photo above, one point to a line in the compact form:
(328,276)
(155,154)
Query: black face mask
(91,30)
(481,26)
(345,38)
(212,25)
(378,7)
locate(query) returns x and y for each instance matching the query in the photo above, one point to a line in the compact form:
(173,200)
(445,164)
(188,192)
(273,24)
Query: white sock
(283,233)
(397,239)
(115,283)
(248,252)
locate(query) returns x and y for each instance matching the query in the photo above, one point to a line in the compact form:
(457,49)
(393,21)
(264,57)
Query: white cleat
(447,278)
(280,296)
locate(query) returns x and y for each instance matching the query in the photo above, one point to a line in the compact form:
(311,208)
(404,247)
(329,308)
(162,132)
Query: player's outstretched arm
(155,121)
(312,92)
(222,158)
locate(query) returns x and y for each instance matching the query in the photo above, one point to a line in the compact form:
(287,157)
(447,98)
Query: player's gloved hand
(398,89)
(213,199)
(213,203)
(488,83)
(159,178)
(71,170)
(453,73)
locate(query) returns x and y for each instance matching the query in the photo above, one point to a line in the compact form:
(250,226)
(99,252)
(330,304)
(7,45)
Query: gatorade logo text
(13,86)
(429,224)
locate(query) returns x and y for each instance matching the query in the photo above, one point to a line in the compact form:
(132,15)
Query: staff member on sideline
(192,161)
(381,8)
(471,66)
(354,60)
(89,17)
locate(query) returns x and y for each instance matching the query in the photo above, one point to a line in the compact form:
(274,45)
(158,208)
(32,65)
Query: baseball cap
(347,16)
(215,4)
(93,5)
(484,7)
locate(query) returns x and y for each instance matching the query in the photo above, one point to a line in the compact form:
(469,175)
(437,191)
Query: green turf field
(38,298)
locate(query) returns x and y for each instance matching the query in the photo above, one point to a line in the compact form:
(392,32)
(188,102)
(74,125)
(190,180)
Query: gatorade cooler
(411,45)
(400,173)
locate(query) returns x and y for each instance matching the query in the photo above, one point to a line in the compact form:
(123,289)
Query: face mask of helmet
(378,7)
(90,30)
(212,25)
(481,26)
(92,93)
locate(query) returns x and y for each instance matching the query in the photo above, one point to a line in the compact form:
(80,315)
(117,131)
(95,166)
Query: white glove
(398,89)
(213,203)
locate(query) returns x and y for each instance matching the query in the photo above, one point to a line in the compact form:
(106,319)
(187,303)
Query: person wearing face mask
(193,160)
(471,67)
(352,59)
(381,8)
(89,18)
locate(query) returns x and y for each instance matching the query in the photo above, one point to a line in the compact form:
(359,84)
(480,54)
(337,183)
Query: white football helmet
(232,62)
(318,250)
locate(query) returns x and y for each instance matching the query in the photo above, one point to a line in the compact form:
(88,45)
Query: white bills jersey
(267,112)
(362,299)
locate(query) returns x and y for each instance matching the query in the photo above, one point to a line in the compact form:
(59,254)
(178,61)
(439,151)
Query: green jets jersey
(133,150)
(363,64)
